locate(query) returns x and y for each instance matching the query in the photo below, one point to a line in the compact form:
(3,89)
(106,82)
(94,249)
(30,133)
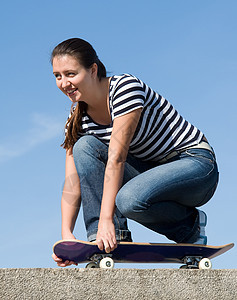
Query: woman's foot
(202,239)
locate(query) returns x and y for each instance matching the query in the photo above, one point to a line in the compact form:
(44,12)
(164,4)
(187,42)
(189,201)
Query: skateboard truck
(103,261)
(196,262)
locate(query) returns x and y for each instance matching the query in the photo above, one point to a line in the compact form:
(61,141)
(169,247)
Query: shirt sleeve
(128,95)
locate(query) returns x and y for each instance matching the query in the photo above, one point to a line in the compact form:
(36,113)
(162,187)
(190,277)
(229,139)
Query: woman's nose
(65,82)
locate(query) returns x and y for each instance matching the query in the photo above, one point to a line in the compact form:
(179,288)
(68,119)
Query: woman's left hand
(106,239)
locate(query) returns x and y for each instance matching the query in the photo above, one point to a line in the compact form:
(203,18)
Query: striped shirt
(160,129)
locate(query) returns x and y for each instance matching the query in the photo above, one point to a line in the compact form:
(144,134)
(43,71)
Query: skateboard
(190,255)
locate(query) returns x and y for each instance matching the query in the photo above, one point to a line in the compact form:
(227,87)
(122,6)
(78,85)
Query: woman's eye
(70,74)
(57,76)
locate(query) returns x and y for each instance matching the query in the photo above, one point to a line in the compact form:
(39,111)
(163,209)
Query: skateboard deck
(192,256)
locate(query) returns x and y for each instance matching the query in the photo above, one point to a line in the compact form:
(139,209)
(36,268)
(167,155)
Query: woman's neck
(99,95)
(98,105)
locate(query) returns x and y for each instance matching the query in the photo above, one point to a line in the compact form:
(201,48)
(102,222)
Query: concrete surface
(117,284)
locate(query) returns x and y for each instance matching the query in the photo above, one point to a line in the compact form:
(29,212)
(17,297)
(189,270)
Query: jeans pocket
(202,153)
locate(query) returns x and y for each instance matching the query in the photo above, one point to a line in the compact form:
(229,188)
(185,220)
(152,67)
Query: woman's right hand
(62,263)
(58,260)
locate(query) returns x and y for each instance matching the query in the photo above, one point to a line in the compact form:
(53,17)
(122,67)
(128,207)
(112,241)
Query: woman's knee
(89,146)
(84,144)
(128,203)
(90,157)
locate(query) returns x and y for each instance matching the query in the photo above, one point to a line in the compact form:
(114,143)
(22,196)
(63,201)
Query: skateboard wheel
(107,263)
(189,267)
(92,265)
(205,264)
(184,267)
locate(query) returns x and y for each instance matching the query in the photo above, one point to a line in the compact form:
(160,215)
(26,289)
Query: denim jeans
(162,197)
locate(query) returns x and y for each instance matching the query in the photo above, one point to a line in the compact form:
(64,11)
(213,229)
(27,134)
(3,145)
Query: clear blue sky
(186,50)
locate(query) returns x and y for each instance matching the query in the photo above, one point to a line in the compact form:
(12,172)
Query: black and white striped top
(160,129)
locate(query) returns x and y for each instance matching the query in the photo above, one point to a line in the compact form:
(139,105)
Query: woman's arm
(70,204)
(123,131)
(71,197)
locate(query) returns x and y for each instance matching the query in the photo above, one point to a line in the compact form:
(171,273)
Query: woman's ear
(94,70)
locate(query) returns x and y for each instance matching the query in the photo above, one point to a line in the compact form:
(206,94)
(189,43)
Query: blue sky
(185,50)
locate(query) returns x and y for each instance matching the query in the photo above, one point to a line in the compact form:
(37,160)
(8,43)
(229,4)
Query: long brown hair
(86,56)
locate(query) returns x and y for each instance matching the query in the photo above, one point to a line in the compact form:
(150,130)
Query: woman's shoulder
(124,81)
(123,77)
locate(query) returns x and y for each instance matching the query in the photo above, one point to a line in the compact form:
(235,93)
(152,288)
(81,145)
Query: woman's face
(72,78)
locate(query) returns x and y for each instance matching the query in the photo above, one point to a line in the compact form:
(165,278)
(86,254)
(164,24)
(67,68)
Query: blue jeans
(162,197)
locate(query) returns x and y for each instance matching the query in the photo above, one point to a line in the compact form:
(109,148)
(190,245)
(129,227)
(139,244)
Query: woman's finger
(55,258)
(107,246)
(100,244)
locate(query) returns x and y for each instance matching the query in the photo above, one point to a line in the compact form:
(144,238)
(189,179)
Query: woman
(129,154)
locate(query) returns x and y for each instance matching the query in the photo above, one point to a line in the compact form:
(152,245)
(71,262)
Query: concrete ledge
(117,284)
